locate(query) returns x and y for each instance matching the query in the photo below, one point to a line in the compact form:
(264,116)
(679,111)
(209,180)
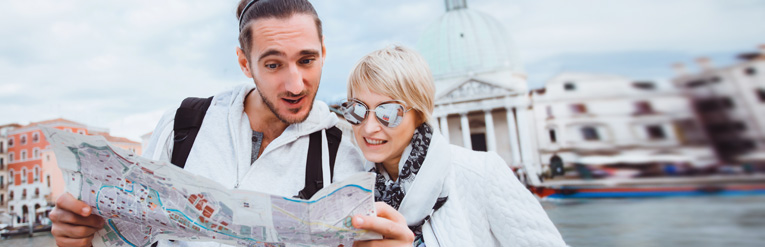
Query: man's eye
(272,66)
(306,61)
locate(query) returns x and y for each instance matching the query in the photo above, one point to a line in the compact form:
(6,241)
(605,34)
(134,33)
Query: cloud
(118,64)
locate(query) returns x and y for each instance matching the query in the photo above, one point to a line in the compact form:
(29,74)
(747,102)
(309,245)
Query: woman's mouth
(371,141)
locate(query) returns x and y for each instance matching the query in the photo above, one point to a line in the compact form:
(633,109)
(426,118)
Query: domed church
(482,99)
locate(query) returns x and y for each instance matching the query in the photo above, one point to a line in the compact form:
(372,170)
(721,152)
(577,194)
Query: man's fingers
(72,242)
(63,217)
(73,231)
(388,212)
(69,203)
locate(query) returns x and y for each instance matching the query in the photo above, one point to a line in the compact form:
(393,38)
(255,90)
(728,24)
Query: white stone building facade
(730,102)
(593,119)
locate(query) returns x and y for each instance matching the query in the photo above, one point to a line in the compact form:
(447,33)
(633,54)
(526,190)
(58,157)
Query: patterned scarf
(393,192)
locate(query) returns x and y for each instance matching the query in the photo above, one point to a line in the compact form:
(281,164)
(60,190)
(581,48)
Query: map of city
(143,201)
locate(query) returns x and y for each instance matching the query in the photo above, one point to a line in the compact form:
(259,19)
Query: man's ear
(243,62)
(323,51)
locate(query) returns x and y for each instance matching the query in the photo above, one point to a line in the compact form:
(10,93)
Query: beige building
(730,102)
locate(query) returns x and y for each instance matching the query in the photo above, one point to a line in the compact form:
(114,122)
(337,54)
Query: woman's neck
(391,166)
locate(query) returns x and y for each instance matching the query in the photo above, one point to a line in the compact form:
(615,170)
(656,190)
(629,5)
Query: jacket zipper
(435,232)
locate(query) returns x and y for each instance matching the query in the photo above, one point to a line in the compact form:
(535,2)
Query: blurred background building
(730,101)
(34,180)
(481,91)
(624,127)
(584,125)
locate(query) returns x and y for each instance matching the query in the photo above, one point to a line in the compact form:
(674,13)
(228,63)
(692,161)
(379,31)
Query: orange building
(35,181)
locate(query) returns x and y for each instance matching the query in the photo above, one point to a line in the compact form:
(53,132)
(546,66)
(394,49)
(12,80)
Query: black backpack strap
(188,120)
(314,177)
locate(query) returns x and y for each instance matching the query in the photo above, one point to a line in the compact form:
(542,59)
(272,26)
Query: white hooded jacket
(223,148)
(486,205)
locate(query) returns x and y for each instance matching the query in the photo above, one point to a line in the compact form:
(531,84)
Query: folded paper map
(145,200)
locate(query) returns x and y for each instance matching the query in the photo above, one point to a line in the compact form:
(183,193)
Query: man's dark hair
(280,9)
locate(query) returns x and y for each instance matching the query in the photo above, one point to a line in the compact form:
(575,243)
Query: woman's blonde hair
(397,72)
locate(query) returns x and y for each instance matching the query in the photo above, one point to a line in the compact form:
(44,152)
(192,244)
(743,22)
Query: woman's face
(382,144)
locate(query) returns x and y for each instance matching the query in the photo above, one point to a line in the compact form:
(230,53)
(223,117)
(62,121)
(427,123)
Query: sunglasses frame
(366,114)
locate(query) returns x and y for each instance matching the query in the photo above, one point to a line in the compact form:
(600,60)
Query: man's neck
(262,119)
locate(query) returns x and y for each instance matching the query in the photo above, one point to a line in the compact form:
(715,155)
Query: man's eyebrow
(271,52)
(309,53)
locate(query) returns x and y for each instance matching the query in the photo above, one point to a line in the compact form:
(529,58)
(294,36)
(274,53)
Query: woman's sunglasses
(389,113)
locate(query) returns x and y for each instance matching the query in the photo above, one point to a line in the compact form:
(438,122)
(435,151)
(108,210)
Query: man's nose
(295,80)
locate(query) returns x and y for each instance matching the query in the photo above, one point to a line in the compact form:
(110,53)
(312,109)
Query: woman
(449,195)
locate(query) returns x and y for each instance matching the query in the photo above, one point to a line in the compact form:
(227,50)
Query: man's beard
(283,118)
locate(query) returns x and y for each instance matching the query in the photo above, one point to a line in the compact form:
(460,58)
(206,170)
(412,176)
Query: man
(255,137)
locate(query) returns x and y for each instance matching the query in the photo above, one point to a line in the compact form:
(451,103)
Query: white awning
(632,159)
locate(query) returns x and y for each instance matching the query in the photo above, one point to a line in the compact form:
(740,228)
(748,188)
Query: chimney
(704,63)
(679,69)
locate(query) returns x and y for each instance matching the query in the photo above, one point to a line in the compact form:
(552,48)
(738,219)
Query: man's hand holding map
(144,200)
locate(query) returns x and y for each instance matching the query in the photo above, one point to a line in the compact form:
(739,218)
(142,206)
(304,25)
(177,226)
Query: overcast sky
(121,64)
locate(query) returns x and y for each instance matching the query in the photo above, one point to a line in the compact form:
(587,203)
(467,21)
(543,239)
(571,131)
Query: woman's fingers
(389,223)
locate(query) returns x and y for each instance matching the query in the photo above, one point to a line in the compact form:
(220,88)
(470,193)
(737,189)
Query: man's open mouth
(293,100)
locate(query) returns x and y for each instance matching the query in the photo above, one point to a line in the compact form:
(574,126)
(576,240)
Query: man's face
(285,62)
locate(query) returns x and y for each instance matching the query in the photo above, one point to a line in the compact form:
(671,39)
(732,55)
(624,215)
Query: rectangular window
(590,133)
(549,112)
(645,85)
(569,86)
(579,108)
(643,107)
(726,102)
(761,94)
(553,138)
(656,132)
(751,71)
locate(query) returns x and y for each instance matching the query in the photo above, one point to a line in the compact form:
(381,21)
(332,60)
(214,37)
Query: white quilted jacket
(486,205)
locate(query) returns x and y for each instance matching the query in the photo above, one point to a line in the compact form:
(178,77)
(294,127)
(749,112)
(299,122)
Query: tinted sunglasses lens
(354,112)
(390,114)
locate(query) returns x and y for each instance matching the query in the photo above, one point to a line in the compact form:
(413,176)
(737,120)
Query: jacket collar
(428,186)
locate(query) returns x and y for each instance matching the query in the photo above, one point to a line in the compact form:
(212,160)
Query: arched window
(10,197)
(11,177)
(37,174)
(37,192)
(23,155)
(36,153)
(47,180)
(11,157)
(10,142)
(36,137)
(23,194)
(24,176)
(23,139)
(81,132)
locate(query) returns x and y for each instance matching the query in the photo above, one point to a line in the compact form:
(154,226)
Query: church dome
(466,42)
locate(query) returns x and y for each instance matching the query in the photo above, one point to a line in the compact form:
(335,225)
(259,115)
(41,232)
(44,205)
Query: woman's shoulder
(475,161)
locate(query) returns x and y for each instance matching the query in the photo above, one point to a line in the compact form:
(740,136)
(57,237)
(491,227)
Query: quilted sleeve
(515,216)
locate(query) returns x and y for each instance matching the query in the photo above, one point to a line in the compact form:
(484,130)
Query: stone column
(491,140)
(513,134)
(444,120)
(465,131)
